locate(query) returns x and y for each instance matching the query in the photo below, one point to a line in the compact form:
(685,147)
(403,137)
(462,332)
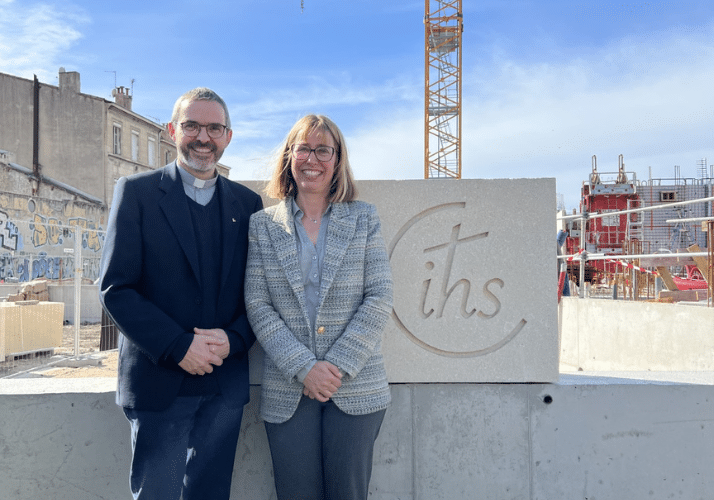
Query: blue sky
(546,84)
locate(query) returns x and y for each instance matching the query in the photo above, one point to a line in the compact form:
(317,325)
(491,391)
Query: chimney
(122,97)
(69,80)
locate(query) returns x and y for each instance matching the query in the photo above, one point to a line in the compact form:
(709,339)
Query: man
(172,280)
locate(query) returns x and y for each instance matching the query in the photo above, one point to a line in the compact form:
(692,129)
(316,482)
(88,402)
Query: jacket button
(321,330)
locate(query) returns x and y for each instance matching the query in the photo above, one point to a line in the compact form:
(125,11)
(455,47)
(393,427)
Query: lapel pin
(233,220)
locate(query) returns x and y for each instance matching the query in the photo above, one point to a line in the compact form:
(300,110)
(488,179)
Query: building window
(168,157)
(667,196)
(134,145)
(152,152)
(117,139)
(611,220)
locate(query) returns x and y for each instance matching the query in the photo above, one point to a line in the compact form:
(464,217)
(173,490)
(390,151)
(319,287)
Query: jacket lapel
(175,208)
(340,232)
(282,234)
(230,227)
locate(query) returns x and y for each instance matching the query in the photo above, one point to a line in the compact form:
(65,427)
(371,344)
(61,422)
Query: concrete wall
(595,438)
(90,308)
(19,201)
(613,335)
(72,135)
(71,131)
(16,118)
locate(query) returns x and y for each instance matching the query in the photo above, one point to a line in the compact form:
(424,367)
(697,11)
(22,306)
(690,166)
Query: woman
(318,294)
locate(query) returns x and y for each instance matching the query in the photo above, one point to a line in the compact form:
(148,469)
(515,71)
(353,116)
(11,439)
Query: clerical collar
(193,181)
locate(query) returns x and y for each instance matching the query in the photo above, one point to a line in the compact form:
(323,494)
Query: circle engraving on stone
(440,304)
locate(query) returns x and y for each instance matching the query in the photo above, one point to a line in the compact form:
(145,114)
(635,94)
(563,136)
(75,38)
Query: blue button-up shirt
(310,257)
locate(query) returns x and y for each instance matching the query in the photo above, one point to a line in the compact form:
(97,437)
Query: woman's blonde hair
(282,185)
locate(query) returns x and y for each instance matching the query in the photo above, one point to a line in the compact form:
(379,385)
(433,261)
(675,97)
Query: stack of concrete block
(33,290)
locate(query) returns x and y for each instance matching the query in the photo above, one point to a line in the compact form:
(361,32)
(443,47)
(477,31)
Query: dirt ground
(106,367)
(91,362)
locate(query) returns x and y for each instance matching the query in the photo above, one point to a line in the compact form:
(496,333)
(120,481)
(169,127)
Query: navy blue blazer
(150,285)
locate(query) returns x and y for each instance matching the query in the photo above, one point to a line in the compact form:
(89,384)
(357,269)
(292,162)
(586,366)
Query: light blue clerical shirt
(197,189)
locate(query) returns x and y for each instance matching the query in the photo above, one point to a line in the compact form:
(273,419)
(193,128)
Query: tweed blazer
(355,303)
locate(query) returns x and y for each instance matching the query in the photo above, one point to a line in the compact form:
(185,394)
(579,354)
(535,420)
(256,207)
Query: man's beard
(198,164)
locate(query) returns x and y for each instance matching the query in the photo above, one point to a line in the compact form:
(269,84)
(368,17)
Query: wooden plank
(666,278)
(701,262)
(667,260)
(684,295)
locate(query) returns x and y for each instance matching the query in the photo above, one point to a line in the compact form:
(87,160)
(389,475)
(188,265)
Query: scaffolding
(684,232)
(443,23)
(710,260)
(630,259)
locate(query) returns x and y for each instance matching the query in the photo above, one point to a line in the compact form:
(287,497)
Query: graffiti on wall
(8,233)
(50,231)
(24,269)
(14,267)
(43,248)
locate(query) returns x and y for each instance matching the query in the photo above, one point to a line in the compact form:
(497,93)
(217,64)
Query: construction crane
(443,22)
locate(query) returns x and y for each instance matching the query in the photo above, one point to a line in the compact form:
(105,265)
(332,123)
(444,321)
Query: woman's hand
(322,381)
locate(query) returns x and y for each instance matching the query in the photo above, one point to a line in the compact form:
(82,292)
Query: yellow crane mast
(443,22)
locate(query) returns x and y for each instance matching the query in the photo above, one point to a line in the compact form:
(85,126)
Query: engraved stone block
(475,292)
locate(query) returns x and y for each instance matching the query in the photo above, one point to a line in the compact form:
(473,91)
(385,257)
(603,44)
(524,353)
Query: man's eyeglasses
(214,130)
(302,152)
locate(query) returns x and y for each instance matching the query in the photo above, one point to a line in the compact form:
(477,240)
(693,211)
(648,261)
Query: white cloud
(33,36)
(648,98)
(360,110)
(390,148)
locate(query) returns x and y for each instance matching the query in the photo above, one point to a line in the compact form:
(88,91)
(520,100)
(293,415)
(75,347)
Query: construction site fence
(55,261)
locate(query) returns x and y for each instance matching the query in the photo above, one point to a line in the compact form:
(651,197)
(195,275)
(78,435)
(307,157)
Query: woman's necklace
(314,221)
(312,231)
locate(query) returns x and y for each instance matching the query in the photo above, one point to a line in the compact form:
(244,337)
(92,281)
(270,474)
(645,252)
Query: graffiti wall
(38,238)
